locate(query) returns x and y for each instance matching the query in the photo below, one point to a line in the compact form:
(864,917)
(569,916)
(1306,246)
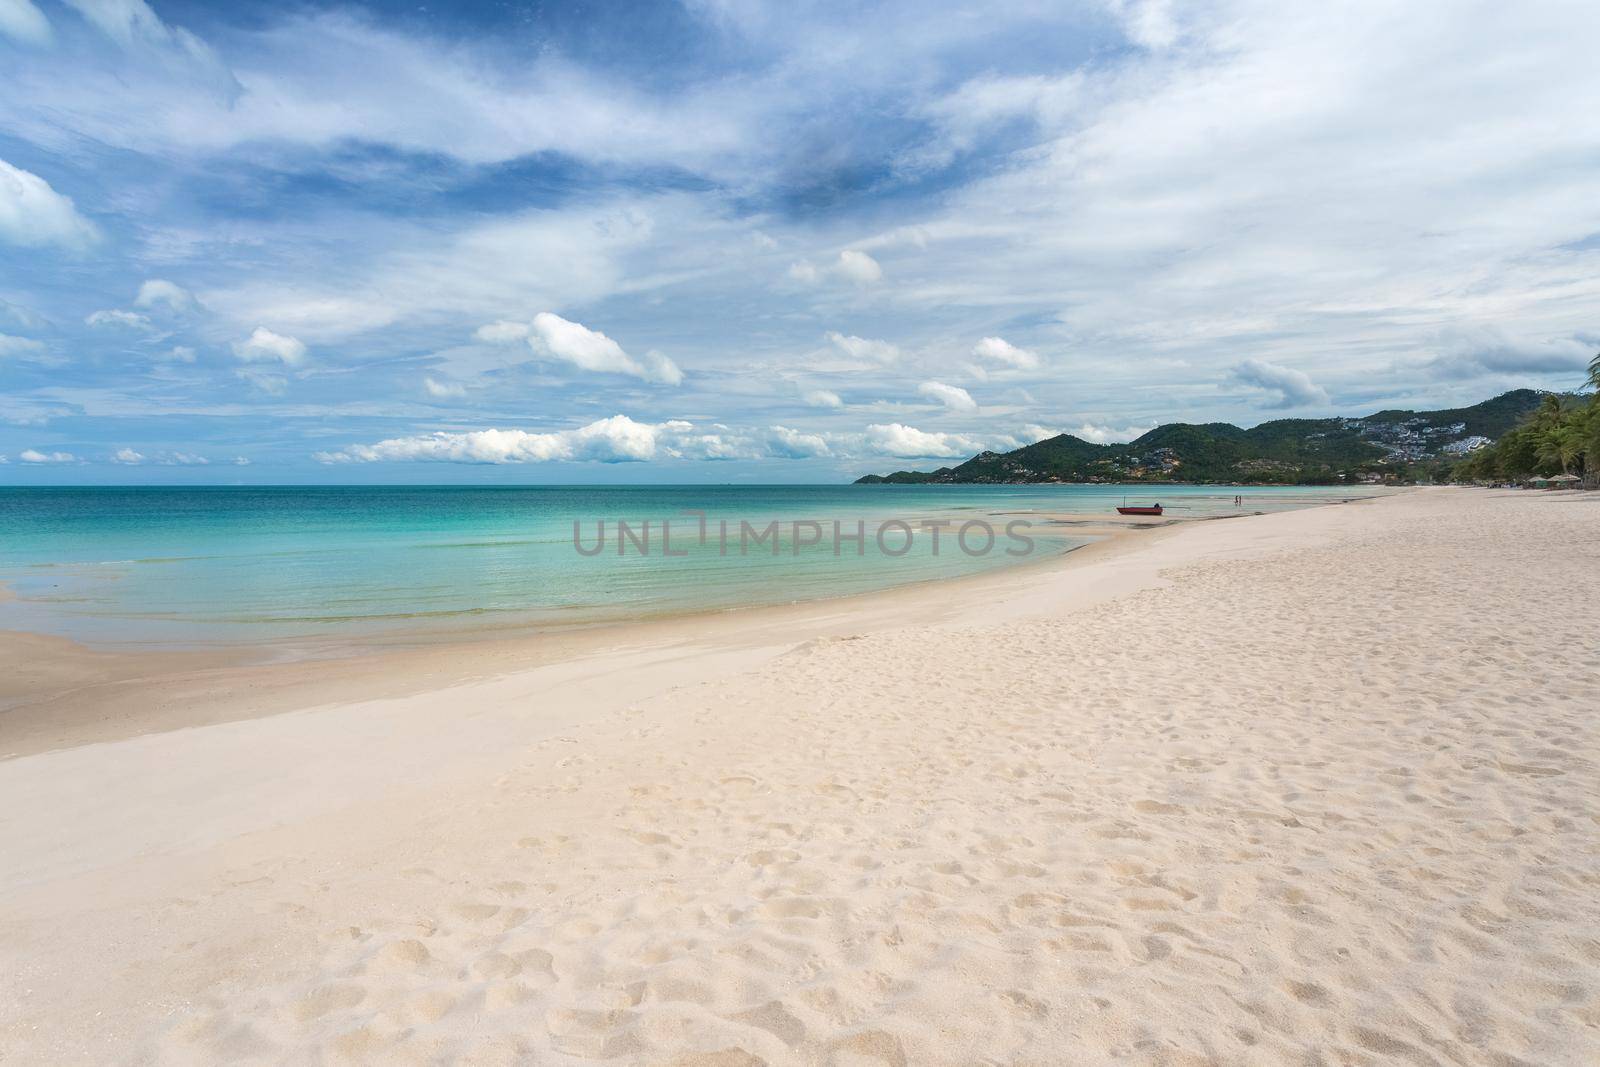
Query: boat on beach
(1140,509)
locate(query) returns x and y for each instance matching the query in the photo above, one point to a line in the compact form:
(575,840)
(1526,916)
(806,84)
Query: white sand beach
(1318,787)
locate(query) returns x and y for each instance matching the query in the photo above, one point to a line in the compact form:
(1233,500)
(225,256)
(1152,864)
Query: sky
(734,241)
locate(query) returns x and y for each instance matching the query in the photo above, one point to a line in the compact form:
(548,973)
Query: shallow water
(225,565)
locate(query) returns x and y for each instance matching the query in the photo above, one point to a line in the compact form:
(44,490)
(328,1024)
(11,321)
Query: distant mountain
(1284,450)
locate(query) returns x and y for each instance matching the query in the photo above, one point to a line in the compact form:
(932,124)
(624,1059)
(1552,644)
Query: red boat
(1152,509)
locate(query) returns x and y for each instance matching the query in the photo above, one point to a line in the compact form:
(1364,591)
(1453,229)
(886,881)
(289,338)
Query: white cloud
(125,21)
(1471,352)
(320,318)
(1106,435)
(1293,388)
(129,320)
(1148,23)
(264,346)
(184,459)
(503,332)
(951,396)
(159,291)
(851,265)
(19,346)
(618,439)
(858,267)
(794,444)
(33,215)
(554,337)
(127,456)
(179,354)
(895,439)
(822,398)
(658,368)
(443,390)
(1033,432)
(392,87)
(863,348)
(1164,214)
(29,455)
(999,350)
(23,22)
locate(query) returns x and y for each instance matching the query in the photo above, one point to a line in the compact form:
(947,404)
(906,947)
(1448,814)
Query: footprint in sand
(409,955)
(320,1002)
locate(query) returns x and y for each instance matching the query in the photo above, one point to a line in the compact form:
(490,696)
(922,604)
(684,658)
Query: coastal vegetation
(1391,446)
(1561,436)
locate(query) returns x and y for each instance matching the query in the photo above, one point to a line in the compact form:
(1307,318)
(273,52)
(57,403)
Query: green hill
(1384,444)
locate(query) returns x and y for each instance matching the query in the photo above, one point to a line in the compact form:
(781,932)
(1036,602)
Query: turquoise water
(192,567)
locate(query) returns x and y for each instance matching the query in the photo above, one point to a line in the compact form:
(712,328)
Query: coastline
(1202,785)
(297,574)
(57,693)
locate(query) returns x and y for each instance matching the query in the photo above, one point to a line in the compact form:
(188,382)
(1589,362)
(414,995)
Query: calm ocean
(191,567)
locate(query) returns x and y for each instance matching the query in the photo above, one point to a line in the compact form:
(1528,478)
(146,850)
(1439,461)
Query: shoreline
(40,712)
(59,693)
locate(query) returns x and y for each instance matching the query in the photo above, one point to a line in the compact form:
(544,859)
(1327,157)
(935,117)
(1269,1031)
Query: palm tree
(1589,425)
(1550,411)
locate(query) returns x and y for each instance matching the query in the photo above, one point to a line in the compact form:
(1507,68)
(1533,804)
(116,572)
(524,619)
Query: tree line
(1561,437)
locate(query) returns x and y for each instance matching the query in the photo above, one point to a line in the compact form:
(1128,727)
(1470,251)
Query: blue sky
(726,241)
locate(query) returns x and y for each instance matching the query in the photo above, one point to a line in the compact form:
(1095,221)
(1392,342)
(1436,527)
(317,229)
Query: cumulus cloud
(1293,388)
(127,457)
(33,215)
(1475,352)
(851,266)
(620,439)
(617,439)
(795,444)
(999,350)
(264,346)
(29,455)
(951,396)
(160,292)
(443,390)
(895,439)
(21,21)
(863,348)
(1033,432)
(128,320)
(553,337)
(1108,435)
(858,267)
(822,398)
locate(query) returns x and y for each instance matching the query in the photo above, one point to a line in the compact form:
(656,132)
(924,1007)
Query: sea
(290,566)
